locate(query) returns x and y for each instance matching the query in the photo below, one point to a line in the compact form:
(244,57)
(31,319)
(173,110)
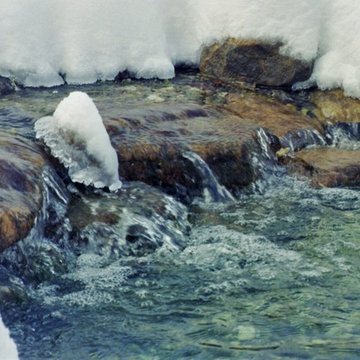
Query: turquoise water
(274,274)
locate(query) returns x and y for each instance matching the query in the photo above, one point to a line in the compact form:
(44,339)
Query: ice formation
(8,349)
(86,40)
(76,135)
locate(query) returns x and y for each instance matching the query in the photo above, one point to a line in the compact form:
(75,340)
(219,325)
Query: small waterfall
(265,141)
(343,135)
(136,222)
(300,139)
(46,250)
(264,161)
(212,190)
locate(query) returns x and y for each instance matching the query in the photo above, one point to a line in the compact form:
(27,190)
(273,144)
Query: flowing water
(272,274)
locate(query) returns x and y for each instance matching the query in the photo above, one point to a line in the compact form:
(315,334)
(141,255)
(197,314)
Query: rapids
(270,274)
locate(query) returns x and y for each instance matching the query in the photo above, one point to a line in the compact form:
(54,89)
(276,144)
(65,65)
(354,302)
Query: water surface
(273,274)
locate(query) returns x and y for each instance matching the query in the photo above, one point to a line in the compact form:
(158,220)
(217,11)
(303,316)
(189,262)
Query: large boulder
(152,143)
(21,168)
(252,62)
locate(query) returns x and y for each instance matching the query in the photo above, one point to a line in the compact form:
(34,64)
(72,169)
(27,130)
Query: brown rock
(294,128)
(330,167)
(21,167)
(151,141)
(260,110)
(252,62)
(334,107)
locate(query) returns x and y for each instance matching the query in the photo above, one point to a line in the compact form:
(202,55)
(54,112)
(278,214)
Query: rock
(252,62)
(135,221)
(21,167)
(6,86)
(330,167)
(123,75)
(151,141)
(246,332)
(294,129)
(334,107)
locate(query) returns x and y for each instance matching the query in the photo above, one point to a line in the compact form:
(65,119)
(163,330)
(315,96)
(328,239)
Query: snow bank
(8,349)
(76,135)
(88,40)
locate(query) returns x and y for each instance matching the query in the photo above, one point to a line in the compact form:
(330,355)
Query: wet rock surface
(21,167)
(330,167)
(155,128)
(267,112)
(136,221)
(252,62)
(151,142)
(334,107)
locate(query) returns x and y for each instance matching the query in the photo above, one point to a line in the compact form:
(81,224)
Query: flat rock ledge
(152,140)
(327,167)
(152,143)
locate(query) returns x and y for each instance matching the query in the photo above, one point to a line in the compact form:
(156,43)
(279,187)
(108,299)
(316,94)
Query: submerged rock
(136,221)
(21,167)
(252,62)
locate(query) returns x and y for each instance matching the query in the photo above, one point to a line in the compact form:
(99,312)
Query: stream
(271,274)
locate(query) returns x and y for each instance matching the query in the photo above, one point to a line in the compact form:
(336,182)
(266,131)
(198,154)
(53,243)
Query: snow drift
(83,41)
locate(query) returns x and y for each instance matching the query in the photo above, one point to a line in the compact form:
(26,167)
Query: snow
(88,40)
(76,135)
(8,349)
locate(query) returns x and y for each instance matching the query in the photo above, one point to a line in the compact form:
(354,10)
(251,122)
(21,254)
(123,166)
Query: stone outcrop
(252,62)
(151,142)
(21,167)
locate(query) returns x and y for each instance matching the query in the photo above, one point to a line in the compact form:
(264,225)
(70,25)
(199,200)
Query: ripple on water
(272,275)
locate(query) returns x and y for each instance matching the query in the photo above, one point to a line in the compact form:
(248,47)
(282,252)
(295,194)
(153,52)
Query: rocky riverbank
(239,111)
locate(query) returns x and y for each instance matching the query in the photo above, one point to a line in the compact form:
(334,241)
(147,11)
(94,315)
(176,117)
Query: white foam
(88,40)
(76,135)
(8,349)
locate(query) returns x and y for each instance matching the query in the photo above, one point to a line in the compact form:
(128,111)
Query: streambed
(272,274)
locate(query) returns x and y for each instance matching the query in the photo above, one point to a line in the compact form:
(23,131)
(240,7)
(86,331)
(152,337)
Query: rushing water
(273,274)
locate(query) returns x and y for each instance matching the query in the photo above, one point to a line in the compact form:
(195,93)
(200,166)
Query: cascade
(46,250)
(343,135)
(299,139)
(212,189)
